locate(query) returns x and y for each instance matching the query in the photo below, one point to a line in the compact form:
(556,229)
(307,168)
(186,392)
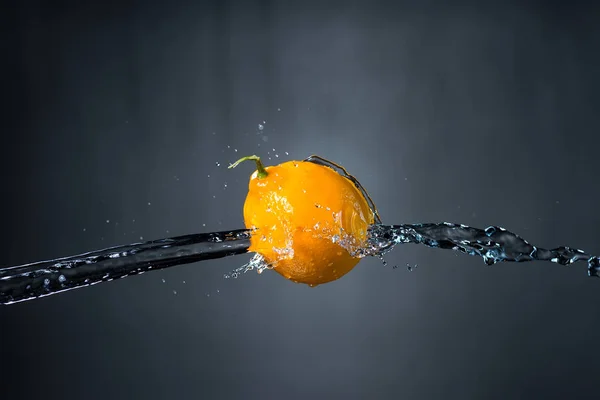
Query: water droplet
(261,127)
(218,164)
(149,203)
(175,292)
(62,279)
(46,282)
(163,280)
(84,229)
(108,221)
(141,238)
(287,154)
(411,267)
(279,109)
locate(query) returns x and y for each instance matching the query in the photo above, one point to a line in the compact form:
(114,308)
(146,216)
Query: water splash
(257,262)
(494,244)
(31,281)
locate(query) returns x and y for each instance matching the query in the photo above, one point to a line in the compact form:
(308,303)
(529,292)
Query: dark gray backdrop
(115,116)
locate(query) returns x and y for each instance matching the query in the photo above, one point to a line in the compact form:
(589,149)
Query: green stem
(262,172)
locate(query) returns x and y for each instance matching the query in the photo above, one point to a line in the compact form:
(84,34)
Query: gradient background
(115,116)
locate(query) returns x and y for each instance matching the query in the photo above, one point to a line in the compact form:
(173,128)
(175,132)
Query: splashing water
(30,281)
(257,262)
(494,244)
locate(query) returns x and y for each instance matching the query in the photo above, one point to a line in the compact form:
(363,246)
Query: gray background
(115,116)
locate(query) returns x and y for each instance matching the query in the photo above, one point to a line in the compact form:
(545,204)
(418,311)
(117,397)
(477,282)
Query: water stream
(494,244)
